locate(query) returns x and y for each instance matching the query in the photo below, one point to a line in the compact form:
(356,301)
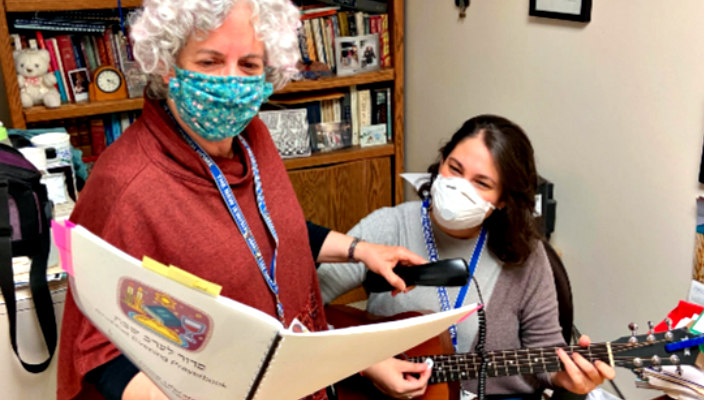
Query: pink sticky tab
(62,240)
(469,313)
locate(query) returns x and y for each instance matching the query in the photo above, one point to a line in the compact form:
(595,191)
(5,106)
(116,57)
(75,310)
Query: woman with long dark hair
(477,203)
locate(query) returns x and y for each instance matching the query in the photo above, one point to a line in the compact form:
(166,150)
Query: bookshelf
(385,75)
(335,189)
(41,113)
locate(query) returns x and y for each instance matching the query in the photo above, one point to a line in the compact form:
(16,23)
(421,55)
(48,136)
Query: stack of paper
(688,384)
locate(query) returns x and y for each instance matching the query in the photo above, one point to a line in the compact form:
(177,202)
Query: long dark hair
(512,229)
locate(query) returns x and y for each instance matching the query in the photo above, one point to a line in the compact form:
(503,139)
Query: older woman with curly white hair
(197,182)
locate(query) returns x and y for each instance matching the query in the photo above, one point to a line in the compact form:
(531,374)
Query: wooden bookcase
(336,189)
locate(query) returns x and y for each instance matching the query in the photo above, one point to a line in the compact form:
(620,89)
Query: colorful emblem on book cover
(164,315)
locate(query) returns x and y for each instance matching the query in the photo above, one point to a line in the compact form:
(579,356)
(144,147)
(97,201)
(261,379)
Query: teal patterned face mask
(217,107)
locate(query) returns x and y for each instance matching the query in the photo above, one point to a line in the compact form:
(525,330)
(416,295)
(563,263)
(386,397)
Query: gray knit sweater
(521,303)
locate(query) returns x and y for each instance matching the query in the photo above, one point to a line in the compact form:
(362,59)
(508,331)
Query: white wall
(614,109)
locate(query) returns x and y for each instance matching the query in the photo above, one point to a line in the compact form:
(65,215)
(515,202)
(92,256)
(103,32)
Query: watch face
(108,81)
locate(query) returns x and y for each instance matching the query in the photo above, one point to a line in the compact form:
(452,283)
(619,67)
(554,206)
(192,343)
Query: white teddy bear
(36,83)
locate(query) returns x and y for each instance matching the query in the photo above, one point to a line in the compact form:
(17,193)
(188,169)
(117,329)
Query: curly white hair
(161,28)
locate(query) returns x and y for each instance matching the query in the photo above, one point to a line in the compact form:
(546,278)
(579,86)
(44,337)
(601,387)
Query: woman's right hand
(398,378)
(382,259)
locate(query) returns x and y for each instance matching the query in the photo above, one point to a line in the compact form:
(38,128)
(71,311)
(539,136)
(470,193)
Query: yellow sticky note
(154,265)
(193,281)
(183,277)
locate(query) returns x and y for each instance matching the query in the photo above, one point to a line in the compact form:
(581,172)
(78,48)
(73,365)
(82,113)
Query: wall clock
(108,83)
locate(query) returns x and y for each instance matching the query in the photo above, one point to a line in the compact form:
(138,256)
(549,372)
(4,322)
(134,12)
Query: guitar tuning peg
(656,362)
(651,337)
(675,360)
(634,331)
(669,336)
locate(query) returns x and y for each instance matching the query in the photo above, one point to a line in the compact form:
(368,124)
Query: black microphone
(449,272)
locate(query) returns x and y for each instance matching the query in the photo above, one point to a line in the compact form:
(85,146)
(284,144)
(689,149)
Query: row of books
(93,135)
(324,25)
(77,46)
(329,122)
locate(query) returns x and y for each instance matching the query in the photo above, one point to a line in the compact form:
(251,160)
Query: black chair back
(564,292)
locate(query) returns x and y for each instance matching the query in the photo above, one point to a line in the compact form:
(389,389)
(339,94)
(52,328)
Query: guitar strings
(546,365)
(524,360)
(593,352)
(513,361)
(481,386)
(455,372)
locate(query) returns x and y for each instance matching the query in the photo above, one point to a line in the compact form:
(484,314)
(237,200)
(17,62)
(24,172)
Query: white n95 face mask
(456,203)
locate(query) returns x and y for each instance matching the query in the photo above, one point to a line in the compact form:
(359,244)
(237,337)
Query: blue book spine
(109,137)
(116,127)
(389,115)
(77,54)
(303,47)
(313,112)
(60,84)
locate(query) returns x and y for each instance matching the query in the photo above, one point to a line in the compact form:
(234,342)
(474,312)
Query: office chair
(564,292)
(565,309)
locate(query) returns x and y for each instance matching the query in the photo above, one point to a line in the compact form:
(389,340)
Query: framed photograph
(79,84)
(571,10)
(136,79)
(289,130)
(355,54)
(327,136)
(372,135)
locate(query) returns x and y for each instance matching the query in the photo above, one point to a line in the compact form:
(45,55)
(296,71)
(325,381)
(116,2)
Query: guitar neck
(457,367)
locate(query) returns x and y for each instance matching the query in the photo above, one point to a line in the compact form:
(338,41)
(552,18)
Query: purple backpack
(25,215)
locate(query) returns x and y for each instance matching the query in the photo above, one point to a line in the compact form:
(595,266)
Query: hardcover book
(97,136)
(61,82)
(84,137)
(319,40)
(384,42)
(354,112)
(68,61)
(364,99)
(381,109)
(53,55)
(195,344)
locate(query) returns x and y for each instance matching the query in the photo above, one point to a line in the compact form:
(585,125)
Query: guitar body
(357,387)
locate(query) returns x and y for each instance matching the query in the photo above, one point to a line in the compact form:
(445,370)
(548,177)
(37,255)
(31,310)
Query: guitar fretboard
(456,367)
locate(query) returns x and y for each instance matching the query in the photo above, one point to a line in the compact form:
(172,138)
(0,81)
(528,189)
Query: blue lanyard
(433,255)
(236,213)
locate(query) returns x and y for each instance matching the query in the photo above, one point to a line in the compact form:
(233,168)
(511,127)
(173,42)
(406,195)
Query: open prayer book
(195,344)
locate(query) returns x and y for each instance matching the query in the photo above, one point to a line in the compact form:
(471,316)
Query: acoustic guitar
(675,347)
